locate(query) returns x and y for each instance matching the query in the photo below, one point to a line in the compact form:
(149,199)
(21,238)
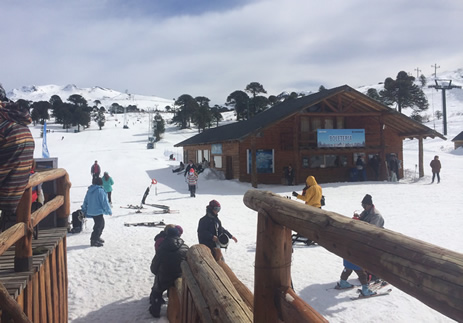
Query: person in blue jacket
(95,205)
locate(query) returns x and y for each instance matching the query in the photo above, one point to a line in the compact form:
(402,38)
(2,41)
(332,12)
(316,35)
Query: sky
(212,48)
(112,283)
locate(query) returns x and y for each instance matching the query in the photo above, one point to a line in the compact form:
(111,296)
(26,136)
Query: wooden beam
(293,309)
(273,266)
(9,305)
(427,272)
(223,301)
(11,235)
(420,157)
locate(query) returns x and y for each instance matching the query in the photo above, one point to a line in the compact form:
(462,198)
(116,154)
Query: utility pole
(417,72)
(444,85)
(435,70)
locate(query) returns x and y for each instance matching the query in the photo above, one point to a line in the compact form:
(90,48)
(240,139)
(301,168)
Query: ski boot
(344,284)
(366,291)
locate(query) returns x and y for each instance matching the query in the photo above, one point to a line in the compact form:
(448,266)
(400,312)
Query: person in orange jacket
(311,194)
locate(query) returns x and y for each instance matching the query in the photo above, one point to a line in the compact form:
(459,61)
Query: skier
(95,205)
(370,215)
(166,266)
(435,167)
(192,180)
(210,227)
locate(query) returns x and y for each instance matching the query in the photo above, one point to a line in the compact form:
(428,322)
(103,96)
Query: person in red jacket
(435,167)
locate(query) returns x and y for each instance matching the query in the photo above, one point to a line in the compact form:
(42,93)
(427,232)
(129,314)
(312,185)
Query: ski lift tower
(444,85)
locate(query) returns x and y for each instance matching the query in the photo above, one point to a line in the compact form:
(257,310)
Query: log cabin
(321,134)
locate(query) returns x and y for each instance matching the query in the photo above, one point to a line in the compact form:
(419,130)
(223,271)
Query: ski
(159,206)
(145,224)
(134,207)
(377,285)
(169,211)
(385,293)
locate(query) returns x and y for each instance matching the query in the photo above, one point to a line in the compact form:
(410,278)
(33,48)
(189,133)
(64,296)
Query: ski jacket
(95,169)
(108,184)
(16,155)
(166,263)
(435,165)
(192,179)
(210,226)
(96,202)
(312,193)
(373,217)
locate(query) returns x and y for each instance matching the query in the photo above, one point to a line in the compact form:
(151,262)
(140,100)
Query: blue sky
(212,48)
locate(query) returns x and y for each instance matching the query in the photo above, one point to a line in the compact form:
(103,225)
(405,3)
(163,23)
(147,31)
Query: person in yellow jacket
(311,194)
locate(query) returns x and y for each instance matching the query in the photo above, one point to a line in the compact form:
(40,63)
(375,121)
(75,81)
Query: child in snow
(192,180)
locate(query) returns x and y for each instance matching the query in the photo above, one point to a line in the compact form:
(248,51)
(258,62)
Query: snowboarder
(370,215)
(210,227)
(166,266)
(95,205)
(435,167)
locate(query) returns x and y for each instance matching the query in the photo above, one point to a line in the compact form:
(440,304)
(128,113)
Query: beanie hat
(172,232)
(214,204)
(367,200)
(179,229)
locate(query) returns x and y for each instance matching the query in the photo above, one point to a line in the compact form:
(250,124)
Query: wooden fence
(33,287)
(209,291)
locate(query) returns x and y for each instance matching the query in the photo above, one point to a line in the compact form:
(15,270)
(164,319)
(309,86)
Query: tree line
(399,93)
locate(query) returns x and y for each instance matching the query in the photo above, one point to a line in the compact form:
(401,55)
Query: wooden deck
(15,282)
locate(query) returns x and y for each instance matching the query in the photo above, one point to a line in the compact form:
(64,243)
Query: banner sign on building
(339,138)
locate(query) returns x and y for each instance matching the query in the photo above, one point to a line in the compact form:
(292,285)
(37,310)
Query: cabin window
(218,161)
(339,122)
(327,161)
(329,123)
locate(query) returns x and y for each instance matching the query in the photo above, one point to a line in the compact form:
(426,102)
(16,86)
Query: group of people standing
(170,251)
(97,202)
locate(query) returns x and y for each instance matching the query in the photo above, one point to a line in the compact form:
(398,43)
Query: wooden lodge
(321,134)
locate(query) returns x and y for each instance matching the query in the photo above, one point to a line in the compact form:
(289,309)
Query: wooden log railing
(20,234)
(427,272)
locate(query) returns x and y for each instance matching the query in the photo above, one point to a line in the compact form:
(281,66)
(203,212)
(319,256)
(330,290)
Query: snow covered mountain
(105,96)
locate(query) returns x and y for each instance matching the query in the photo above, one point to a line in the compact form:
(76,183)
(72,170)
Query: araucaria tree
(239,100)
(402,92)
(258,103)
(187,106)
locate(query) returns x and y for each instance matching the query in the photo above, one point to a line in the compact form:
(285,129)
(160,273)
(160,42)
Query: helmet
(223,241)
(214,205)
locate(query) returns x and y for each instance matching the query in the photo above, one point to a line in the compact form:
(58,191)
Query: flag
(45,153)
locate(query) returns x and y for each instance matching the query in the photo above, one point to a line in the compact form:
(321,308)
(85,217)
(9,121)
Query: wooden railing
(431,274)
(21,233)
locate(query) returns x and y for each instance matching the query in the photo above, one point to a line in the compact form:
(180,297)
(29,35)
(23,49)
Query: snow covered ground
(112,283)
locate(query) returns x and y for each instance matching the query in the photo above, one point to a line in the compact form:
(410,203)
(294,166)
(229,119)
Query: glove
(295,194)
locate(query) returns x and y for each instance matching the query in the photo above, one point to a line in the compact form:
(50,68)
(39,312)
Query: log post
(63,186)
(272,267)
(420,157)
(10,306)
(23,249)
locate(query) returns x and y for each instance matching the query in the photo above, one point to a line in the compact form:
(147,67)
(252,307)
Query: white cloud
(284,45)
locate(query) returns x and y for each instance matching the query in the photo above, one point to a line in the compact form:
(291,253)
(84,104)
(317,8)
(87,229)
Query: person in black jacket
(166,266)
(210,227)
